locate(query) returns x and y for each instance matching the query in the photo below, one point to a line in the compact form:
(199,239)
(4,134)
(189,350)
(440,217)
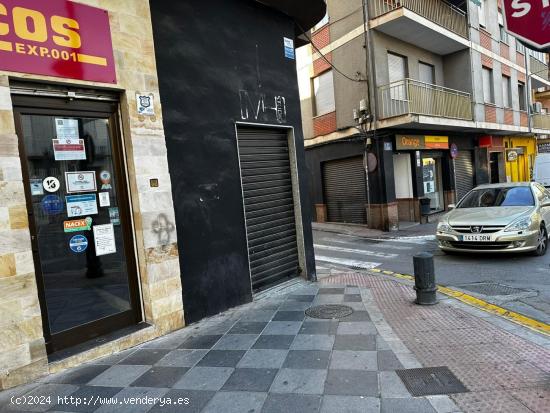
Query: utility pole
(363,118)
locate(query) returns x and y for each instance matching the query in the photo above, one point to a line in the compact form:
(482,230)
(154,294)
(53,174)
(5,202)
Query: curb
(480,304)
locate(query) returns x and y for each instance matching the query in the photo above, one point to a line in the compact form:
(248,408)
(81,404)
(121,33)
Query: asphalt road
(520,283)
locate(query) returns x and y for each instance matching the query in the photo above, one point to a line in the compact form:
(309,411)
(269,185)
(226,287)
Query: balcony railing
(413,97)
(438,11)
(538,68)
(541,121)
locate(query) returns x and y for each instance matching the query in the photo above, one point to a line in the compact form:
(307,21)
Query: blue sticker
(78,243)
(52,205)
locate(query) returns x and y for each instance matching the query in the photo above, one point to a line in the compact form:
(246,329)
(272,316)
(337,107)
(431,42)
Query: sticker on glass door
(79,205)
(80,181)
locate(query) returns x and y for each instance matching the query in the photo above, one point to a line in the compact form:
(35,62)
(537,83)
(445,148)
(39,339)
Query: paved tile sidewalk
(505,367)
(269,356)
(263,357)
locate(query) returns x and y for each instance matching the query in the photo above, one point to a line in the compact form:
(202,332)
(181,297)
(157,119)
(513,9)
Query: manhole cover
(329,311)
(431,381)
(491,289)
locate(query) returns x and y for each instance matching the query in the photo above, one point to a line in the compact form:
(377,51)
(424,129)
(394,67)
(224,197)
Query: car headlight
(520,225)
(444,227)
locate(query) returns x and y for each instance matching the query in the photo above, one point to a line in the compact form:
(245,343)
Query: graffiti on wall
(260,108)
(164,229)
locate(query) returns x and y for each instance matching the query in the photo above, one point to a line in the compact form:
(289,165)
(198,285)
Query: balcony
(434,25)
(411,97)
(541,121)
(539,70)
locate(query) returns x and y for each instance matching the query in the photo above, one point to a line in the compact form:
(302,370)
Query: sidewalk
(269,356)
(420,230)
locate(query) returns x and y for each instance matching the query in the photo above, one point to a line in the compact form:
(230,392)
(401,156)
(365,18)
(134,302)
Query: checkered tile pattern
(264,357)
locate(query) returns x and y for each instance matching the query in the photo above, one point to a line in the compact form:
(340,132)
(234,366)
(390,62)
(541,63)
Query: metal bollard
(424,279)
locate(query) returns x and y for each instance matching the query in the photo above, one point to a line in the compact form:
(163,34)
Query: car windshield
(498,197)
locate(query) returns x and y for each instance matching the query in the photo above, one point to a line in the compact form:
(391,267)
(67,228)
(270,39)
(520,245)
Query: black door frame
(32,105)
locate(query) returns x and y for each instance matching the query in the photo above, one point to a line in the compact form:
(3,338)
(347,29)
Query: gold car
(512,217)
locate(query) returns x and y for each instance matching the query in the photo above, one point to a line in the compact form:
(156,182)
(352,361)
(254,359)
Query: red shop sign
(56,38)
(529,20)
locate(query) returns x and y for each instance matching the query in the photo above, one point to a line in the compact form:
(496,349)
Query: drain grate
(431,381)
(491,289)
(329,311)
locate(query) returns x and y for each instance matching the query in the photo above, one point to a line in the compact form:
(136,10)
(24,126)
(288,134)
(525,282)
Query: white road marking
(374,245)
(420,240)
(355,251)
(348,263)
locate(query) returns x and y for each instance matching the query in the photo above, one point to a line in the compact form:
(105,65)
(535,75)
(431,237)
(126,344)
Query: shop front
(422,172)
(509,158)
(520,157)
(88,253)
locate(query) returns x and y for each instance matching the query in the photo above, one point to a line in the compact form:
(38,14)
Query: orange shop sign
(419,142)
(56,38)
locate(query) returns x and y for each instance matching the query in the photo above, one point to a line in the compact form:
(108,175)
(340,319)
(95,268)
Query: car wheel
(542,242)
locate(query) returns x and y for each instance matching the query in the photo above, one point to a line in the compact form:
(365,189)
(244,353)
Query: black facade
(220,63)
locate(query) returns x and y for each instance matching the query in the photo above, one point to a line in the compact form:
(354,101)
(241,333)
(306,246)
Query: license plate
(476,238)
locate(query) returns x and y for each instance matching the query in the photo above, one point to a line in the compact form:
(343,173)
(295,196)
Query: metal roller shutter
(269,205)
(345,190)
(464,173)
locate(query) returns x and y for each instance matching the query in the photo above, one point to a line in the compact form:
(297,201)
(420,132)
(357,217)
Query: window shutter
(487,86)
(396,67)
(426,73)
(323,86)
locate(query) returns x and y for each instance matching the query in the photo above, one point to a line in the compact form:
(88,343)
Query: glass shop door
(79,218)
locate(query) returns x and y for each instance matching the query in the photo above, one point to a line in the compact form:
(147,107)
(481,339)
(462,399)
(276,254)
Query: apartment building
(449,93)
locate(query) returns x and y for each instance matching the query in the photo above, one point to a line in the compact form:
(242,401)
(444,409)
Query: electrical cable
(325,58)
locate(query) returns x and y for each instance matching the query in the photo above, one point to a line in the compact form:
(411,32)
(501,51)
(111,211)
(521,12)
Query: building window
(503,33)
(323,88)
(482,13)
(522,97)
(488,89)
(397,72)
(323,22)
(426,73)
(506,92)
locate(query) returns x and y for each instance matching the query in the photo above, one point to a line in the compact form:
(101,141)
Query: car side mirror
(451,206)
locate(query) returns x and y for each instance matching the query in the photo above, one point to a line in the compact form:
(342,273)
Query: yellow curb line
(517,318)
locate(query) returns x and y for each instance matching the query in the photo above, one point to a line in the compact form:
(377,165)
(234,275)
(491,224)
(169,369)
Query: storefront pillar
(384,212)
(23,351)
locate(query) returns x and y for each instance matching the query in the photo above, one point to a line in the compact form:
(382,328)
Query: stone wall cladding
(23,355)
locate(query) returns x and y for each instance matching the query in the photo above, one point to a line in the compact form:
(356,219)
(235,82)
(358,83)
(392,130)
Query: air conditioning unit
(537,107)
